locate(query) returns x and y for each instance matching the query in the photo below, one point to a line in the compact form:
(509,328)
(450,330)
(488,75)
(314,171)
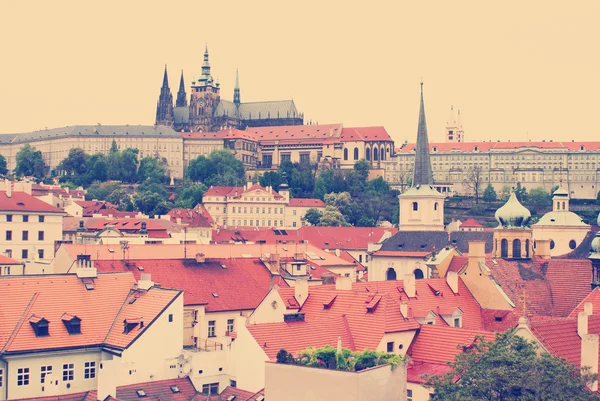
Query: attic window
(140,393)
(215,295)
(39,325)
(72,323)
(498,318)
(130,324)
(20,204)
(175,389)
(232,398)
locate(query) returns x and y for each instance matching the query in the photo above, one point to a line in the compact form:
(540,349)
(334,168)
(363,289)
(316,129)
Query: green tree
(521,192)
(539,197)
(362,167)
(510,368)
(97,168)
(75,163)
(332,217)
(219,168)
(505,192)
(190,196)
(598,198)
(150,203)
(473,180)
(489,195)
(30,162)
(151,170)
(313,216)
(3,166)
(101,190)
(271,178)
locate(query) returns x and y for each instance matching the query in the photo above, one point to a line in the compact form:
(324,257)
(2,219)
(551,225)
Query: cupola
(512,214)
(560,200)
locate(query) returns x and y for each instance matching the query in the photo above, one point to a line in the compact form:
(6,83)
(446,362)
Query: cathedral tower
(236,90)
(422,206)
(204,99)
(164,106)
(181,95)
(454,129)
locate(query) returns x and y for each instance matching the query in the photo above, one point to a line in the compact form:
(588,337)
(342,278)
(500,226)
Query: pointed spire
(181,100)
(165,79)
(422,174)
(236,90)
(206,64)
(451,118)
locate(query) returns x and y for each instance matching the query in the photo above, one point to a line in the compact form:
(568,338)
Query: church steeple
(236,90)
(422,174)
(206,64)
(164,106)
(181,95)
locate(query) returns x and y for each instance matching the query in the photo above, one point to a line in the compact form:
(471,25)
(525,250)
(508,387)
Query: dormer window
(130,324)
(72,323)
(39,325)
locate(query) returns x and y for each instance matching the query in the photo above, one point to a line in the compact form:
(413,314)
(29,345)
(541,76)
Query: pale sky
(517,70)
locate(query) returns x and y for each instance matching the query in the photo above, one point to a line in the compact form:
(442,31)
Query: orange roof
(5,260)
(241,285)
(593,298)
(457,263)
(306,202)
(222,134)
(99,310)
(237,192)
(487,146)
(401,253)
(23,202)
(296,133)
(362,316)
(343,237)
(364,134)
(191,217)
(439,344)
(471,222)
(212,251)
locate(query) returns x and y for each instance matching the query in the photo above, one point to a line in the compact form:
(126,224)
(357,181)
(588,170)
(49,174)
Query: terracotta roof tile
(457,263)
(23,202)
(471,222)
(306,202)
(5,260)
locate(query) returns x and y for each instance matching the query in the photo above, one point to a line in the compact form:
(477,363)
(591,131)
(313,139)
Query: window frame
(68,372)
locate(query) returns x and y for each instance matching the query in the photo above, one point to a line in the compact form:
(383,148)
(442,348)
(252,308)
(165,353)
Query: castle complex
(208,112)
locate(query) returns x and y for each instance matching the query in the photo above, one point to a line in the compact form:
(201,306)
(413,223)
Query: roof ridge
(117,315)
(20,322)
(349,332)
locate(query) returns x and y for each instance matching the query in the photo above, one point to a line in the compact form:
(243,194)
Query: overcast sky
(517,69)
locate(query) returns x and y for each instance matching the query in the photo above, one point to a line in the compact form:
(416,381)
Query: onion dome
(512,214)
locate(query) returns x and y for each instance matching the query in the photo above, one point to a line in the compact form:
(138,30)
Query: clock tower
(204,99)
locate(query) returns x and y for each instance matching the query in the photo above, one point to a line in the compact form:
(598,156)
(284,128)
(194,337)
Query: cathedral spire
(181,95)
(206,64)
(422,174)
(236,90)
(165,79)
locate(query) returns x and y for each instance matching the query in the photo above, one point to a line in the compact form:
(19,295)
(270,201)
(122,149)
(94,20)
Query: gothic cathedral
(207,112)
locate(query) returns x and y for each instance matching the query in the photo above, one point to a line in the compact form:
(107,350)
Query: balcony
(205,345)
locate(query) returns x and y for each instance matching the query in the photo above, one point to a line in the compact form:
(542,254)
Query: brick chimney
(301,290)
(452,280)
(542,248)
(410,285)
(343,283)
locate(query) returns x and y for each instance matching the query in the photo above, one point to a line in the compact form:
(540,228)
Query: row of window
(68,373)
(25,217)
(24,235)
(25,253)
(265,223)
(212,325)
(258,210)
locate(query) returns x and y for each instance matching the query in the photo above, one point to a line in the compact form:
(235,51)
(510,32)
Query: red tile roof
(593,298)
(93,207)
(306,202)
(5,260)
(362,316)
(237,192)
(551,287)
(499,320)
(222,134)
(296,133)
(241,285)
(486,146)
(417,369)
(470,222)
(23,202)
(190,217)
(457,263)
(343,237)
(364,134)
(99,310)
(439,344)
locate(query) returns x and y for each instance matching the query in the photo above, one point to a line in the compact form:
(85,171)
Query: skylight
(140,393)
(175,389)
(215,295)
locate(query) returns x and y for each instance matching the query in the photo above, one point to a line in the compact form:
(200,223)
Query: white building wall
(248,360)
(270,310)
(402,265)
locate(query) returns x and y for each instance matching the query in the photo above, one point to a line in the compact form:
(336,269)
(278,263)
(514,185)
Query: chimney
(337,253)
(145,282)
(542,248)
(588,308)
(404,309)
(200,258)
(301,290)
(8,188)
(589,356)
(452,280)
(107,380)
(409,285)
(343,283)
(274,263)
(477,250)
(582,324)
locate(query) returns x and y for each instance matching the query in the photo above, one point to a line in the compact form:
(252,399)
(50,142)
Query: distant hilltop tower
(454,129)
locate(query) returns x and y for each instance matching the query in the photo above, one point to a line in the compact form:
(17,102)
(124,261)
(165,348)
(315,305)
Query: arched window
(504,248)
(382,153)
(572,244)
(557,205)
(390,274)
(552,244)
(368,154)
(375,154)
(564,208)
(415,206)
(527,248)
(345,154)
(435,206)
(516,248)
(418,274)
(355,153)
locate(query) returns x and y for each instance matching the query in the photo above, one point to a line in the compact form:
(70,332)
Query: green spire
(422,174)
(236,90)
